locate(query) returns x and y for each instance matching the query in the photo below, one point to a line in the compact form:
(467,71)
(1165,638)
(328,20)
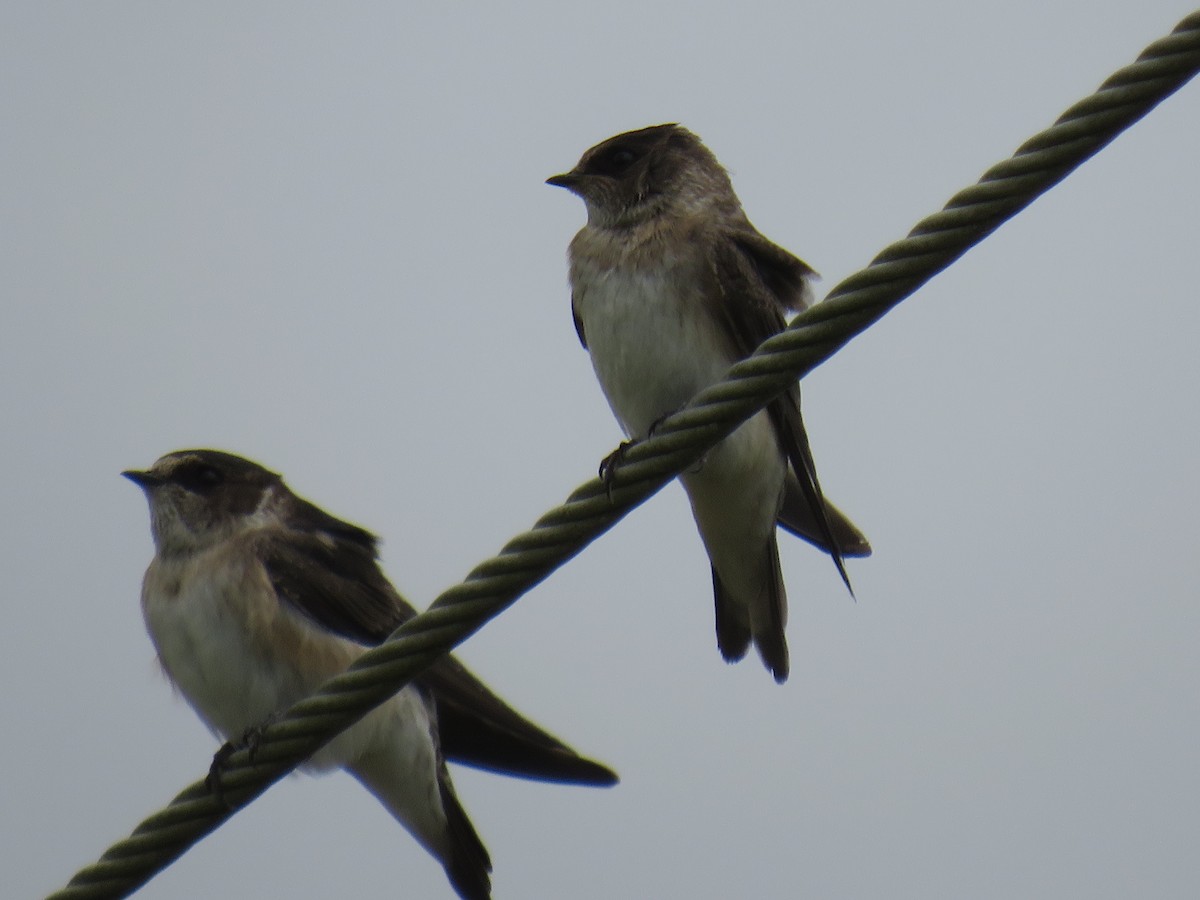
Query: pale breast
(652,339)
(232,650)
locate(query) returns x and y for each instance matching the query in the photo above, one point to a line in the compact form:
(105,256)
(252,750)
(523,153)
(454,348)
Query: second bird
(671,285)
(256,596)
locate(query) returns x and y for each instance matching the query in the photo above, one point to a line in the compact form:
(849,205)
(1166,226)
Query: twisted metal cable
(560,534)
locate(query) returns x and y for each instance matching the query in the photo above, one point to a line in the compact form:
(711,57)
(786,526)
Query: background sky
(317,235)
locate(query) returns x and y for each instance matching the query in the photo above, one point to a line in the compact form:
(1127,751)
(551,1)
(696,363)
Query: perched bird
(670,286)
(255,597)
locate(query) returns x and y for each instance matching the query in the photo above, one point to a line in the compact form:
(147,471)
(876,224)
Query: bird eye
(622,158)
(615,161)
(199,477)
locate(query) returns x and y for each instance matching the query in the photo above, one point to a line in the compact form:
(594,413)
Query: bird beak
(568,180)
(143,480)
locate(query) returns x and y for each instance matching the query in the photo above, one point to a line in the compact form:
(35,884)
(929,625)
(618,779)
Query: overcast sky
(318,236)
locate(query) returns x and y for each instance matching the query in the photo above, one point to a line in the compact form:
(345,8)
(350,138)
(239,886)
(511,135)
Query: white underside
(238,656)
(653,349)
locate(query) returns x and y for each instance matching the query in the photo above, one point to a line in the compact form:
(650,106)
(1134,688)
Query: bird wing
(759,283)
(332,576)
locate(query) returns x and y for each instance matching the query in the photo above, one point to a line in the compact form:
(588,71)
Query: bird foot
(610,464)
(250,741)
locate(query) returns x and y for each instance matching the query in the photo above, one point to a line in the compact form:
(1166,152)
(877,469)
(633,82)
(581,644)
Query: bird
(256,596)
(671,285)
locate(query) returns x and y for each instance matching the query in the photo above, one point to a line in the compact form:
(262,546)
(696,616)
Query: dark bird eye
(622,158)
(199,477)
(615,161)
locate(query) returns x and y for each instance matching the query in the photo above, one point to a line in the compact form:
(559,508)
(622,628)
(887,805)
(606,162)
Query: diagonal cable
(852,306)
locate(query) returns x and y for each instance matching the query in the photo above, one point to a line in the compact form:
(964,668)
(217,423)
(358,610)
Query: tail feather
(768,618)
(733,634)
(434,816)
(468,866)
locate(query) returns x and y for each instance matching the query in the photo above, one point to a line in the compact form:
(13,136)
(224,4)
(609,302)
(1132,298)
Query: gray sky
(317,235)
